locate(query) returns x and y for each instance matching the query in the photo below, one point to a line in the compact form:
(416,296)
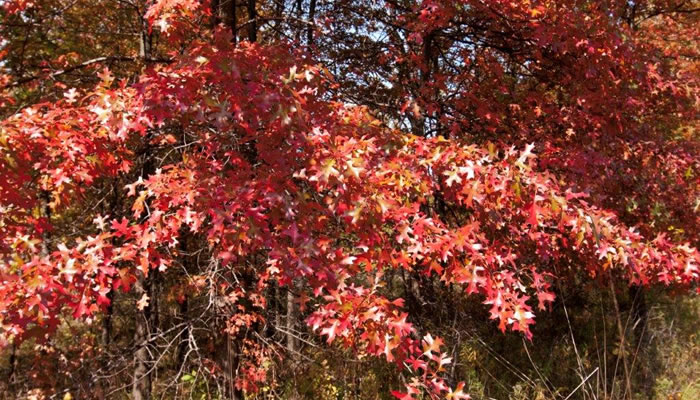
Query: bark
(235,393)
(310,28)
(417,118)
(46,212)
(143,360)
(278,311)
(252,22)
(182,345)
(215,13)
(232,21)
(145,41)
(105,340)
(279,11)
(291,323)
(146,323)
(11,377)
(299,17)
(141,389)
(183,309)
(115,205)
(106,334)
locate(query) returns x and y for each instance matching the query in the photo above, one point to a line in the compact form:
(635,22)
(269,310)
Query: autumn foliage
(497,148)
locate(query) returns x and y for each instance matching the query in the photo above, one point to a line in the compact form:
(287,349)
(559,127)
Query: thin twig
(581,384)
(83,64)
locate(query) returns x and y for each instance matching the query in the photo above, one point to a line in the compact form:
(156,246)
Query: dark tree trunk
(143,361)
(105,339)
(11,377)
(215,13)
(300,14)
(232,21)
(310,28)
(182,345)
(279,11)
(106,334)
(184,308)
(252,22)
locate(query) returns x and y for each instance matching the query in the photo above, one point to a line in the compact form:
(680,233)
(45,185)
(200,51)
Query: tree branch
(84,64)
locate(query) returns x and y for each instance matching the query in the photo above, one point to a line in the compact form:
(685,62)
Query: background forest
(251,199)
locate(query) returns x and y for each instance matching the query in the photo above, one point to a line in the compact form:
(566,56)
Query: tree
(494,148)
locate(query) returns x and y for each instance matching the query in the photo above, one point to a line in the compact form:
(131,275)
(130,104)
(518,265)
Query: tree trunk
(232,21)
(106,333)
(279,11)
(300,14)
(183,344)
(291,322)
(145,40)
(141,389)
(215,13)
(46,212)
(310,28)
(234,359)
(143,361)
(105,339)
(11,376)
(252,22)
